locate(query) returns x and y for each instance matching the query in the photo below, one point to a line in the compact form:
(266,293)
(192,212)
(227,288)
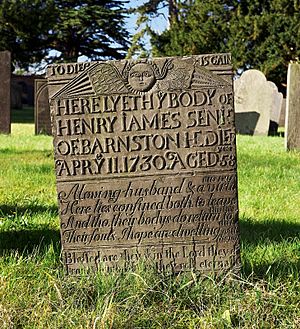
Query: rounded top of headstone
(254,79)
(252,76)
(254,73)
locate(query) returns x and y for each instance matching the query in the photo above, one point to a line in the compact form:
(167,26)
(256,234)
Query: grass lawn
(35,293)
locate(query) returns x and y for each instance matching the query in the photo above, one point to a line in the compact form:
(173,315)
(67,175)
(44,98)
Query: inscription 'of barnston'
(145,163)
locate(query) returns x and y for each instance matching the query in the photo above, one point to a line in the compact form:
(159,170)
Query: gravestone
(282,113)
(41,108)
(292,126)
(145,162)
(5,75)
(276,106)
(257,103)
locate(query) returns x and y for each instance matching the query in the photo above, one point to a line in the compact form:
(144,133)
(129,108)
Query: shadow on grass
(31,209)
(27,241)
(270,232)
(254,233)
(23,236)
(274,269)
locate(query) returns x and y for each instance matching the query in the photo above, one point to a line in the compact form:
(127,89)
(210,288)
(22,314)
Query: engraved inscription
(145,164)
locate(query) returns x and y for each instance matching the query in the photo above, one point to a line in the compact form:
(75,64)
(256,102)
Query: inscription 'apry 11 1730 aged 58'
(145,163)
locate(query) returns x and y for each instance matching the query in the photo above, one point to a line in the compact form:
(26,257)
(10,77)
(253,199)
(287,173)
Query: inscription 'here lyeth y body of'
(145,162)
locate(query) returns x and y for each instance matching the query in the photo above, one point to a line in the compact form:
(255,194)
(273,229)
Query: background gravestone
(145,162)
(292,126)
(5,75)
(254,94)
(282,113)
(41,108)
(277,100)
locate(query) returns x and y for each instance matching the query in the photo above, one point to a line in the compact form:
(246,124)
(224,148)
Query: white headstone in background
(257,102)
(277,103)
(292,118)
(282,113)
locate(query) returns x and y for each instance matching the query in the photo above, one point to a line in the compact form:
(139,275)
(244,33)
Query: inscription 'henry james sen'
(145,163)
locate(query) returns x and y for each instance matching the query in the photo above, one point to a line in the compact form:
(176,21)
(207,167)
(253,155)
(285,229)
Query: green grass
(36,293)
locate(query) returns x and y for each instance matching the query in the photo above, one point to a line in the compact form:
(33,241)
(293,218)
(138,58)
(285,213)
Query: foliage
(199,29)
(91,28)
(24,27)
(31,28)
(146,12)
(264,35)
(36,293)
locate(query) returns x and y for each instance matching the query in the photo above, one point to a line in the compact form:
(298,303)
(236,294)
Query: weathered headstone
(145,162)
(5,73)
(292,126)
(41,108)
(275,109)
(282,113)
(254,94)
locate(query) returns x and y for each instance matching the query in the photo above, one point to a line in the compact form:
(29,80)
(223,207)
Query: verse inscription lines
(163,244)
(157,226)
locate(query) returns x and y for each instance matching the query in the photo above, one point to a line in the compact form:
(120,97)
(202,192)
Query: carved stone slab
(254,94)
(41,108)
(292,118)
(145,162)
(5,77)
(282,113)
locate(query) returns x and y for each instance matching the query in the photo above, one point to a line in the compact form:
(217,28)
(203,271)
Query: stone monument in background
(257,103)
(42,119)
(276,107)
(145,162)
(292,118)
(282,114)
(5,77)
